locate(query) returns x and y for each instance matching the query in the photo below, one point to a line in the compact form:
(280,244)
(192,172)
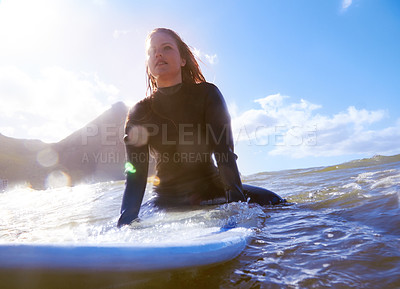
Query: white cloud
(271,119)
(346,4)
(211,59)
(296,130)
(118,33)
(51,105)
(196,52)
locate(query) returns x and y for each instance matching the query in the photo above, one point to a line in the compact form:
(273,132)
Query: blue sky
(308,83)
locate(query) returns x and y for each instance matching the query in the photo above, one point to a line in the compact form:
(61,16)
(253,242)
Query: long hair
(191,72)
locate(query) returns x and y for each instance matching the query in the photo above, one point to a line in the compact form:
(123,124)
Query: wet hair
(191,72)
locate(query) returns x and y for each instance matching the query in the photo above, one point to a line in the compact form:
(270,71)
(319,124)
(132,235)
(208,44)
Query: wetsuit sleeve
(218,126)
(136,176)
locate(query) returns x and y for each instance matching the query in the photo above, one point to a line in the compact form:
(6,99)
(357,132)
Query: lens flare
(129,168)
(156,181)
(137,136)
(47,157)
(57,179)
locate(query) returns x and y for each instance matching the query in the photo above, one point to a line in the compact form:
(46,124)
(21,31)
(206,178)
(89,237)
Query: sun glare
(26,25)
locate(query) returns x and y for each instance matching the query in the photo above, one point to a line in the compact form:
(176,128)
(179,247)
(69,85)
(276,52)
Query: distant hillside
(18,160)
(94,153)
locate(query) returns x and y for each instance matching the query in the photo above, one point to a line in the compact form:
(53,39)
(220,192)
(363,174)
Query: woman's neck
(170,89)
(168,81)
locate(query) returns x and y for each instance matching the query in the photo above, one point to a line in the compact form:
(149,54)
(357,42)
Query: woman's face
(164,61)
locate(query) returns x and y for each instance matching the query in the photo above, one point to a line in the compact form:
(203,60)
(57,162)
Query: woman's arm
(136,180)
(136,173)
(219,132)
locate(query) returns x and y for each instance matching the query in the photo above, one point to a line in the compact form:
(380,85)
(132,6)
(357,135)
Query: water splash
(89,213)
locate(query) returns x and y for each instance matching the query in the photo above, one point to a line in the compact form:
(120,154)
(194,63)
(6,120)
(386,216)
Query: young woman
(185,125)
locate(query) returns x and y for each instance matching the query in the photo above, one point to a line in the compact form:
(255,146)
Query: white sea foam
(89,213)
(386,182)
(352,186)
(365,177)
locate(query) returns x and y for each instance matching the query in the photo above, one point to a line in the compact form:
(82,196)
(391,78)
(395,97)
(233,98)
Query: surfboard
(215,245)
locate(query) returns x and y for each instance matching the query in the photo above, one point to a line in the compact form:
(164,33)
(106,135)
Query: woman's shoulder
(140,109)
(206,88)
(204,85)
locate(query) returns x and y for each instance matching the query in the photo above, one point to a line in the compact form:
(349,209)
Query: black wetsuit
(186,128)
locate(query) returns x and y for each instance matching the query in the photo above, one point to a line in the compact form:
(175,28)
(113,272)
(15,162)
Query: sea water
(340,229)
